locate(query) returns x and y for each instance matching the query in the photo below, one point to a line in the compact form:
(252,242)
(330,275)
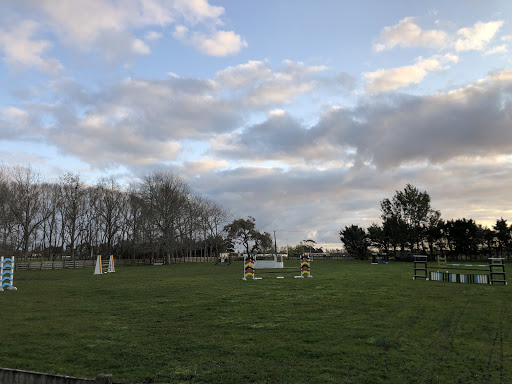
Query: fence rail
(70,264)
(40,265)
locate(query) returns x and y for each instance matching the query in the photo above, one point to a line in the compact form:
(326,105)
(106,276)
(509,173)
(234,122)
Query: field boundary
(70,264)
(28,377)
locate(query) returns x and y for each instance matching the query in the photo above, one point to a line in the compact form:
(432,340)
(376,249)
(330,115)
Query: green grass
(353,322)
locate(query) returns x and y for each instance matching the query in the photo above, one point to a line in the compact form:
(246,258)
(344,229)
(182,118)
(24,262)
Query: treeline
(159,216)
(410,225)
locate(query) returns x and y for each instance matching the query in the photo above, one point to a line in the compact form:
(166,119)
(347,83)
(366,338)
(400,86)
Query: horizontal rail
(438,268)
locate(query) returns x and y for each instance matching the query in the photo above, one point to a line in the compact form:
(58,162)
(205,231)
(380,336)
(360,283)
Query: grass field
(353,322)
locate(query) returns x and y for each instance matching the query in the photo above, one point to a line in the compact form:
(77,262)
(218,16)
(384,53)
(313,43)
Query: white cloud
(112,28)
(180,32)
(218,43)
(498,49)
(152,36)
(277,92)
(408,34)
(84,21)
(257,85)
(140,47)
(471,122)
(204,165)
(384,80)
(198,11)
(277,112)
(478,36)
(14,113)
(21,49)
(244,75)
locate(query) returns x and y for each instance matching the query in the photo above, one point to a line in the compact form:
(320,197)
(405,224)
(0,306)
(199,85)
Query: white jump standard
(98,270)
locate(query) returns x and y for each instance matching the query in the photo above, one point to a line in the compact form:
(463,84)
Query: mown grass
(353,322)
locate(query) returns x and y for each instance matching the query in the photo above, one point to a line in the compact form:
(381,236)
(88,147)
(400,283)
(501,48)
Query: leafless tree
(50,203)
(109,206)
(24,202)
(164,195)
(73,192)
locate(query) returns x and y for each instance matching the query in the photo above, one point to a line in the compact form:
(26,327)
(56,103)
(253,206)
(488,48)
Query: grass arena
(352,323)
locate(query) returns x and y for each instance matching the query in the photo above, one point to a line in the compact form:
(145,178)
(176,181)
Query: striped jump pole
(305,267)
(7,274)
(249,269)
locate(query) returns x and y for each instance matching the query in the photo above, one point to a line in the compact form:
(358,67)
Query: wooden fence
(70,264)
(65,264)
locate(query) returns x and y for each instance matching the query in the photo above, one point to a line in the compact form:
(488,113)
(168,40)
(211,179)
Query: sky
(302,114)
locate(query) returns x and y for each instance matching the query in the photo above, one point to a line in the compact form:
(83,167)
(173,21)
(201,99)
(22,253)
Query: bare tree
(164,196)
(25,204)
(6,222)
(50,203)
(73,194)
(109,206)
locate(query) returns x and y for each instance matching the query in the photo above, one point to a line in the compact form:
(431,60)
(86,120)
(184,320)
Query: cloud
(386,132)
(498,49)
(152,36)
(113,28)
(257,85)
(454,144)
(385,80)
(85,21)
(21,49)
(140,47)
(245,75)
(101,145)
(139,118)
(145,122)
(199,11)
(170,111)
(13,113)
(12,123)
(408,34)
(478,36)
(203,166)
(217,43)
